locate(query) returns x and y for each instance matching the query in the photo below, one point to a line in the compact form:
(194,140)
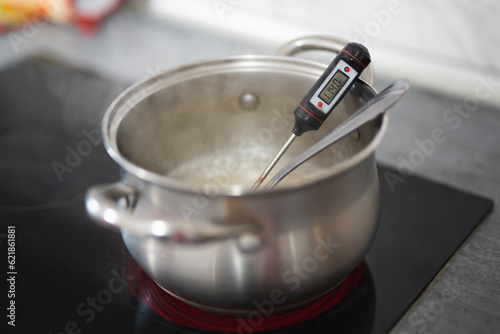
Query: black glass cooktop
(68,275)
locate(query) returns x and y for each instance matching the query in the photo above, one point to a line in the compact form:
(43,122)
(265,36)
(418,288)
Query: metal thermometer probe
(324,96)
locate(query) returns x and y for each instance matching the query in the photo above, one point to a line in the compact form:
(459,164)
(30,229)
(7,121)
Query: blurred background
(443,46)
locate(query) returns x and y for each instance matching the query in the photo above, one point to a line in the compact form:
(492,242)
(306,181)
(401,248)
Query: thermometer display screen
(338,81)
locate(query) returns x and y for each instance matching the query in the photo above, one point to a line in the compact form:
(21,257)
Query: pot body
(190,143)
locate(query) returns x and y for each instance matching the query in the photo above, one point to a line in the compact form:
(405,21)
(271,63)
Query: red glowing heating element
(162,303)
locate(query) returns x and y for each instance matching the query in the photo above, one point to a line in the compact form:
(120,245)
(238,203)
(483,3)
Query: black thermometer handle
(330,88)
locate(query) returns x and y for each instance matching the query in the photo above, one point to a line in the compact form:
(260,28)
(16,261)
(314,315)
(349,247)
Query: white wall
(446,46)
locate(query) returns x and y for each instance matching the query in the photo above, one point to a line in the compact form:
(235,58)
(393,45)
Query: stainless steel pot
(192,140)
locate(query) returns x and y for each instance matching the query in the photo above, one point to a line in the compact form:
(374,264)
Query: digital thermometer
(330,88)
(325,95)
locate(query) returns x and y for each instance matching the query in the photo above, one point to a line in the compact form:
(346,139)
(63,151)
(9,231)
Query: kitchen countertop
(465,297)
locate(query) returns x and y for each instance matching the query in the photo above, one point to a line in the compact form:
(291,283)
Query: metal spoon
(373,108)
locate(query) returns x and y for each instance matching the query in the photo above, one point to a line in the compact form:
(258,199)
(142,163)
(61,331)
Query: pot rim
(120,107)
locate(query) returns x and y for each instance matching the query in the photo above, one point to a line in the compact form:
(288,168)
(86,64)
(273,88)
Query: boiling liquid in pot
(227,171)
(234,170)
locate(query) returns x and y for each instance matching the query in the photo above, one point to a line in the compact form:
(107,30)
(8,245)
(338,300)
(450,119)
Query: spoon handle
(369,111)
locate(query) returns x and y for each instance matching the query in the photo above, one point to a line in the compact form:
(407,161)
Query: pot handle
(108,204)
(324,43)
